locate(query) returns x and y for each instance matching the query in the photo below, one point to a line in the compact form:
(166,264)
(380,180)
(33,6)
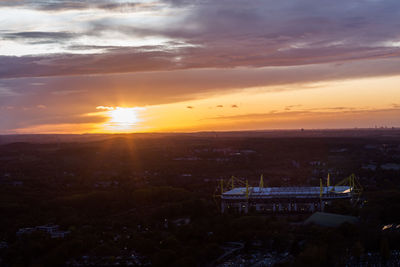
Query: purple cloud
(223,34)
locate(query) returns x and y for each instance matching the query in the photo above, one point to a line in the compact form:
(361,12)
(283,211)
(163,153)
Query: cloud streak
(161,87)
(61,5)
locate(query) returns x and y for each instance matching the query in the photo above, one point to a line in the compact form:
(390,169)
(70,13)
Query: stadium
(286,199)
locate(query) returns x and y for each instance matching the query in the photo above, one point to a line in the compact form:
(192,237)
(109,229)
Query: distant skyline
(177,65)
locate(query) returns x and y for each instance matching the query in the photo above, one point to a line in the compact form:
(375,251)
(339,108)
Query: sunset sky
(198,65)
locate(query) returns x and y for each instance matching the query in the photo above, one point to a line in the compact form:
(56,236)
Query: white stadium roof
(270,192)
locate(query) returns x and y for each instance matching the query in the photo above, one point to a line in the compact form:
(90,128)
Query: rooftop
(285,191)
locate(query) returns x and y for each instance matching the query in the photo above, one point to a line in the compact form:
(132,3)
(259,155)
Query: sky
(202,65)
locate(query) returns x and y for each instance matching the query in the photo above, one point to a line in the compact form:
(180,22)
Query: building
(48,228)
(282,199)
(3,245)
(25,231)
(51,229)
(59,234)
(287,199)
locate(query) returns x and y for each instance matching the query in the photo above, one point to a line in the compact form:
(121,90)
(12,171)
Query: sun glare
(124,116)
(121,119)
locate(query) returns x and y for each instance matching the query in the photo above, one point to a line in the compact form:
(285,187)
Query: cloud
(162,87)
(290,107)
(36,36)
(220,106)
(67,92)
(395,105)
(190,107)
(11,118)
(4,92)
(130,61)
(234,106)
(104,108)
(289,33)
(61,5)
(6,107)
(139,60)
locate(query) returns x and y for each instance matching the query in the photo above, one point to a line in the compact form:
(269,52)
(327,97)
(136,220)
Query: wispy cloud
(67,92)
(61,5)
(36,36)
(4,91)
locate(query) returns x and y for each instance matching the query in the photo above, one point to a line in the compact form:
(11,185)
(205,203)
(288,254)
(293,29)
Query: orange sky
(366,102)
(353,103)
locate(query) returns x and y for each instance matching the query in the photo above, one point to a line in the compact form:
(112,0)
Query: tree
(357,250)
(164,257)
(385,251)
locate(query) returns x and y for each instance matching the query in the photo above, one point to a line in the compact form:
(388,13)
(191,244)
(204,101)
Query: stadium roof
(285,191)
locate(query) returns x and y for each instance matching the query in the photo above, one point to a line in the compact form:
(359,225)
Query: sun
(122,119)
(123,116)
